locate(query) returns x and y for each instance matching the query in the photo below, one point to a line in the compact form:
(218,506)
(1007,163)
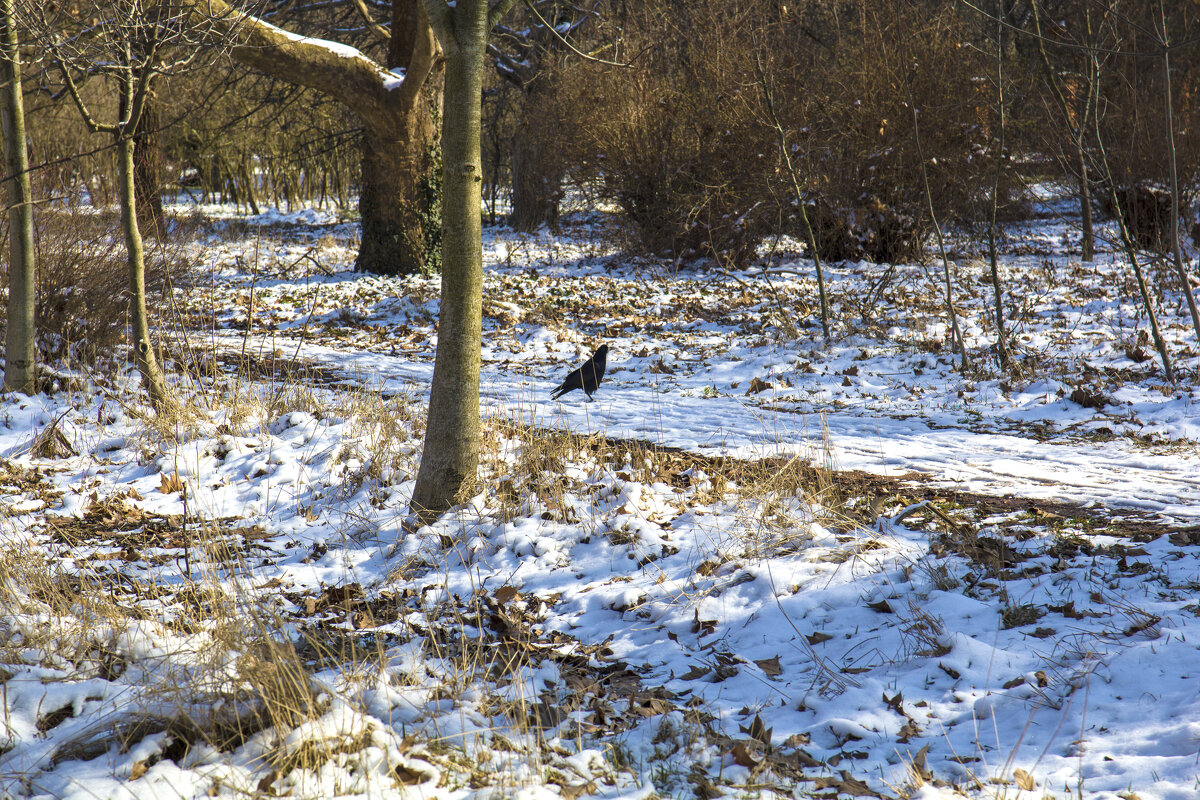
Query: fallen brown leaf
(770,666)
(505,594)
(170,483)
(758,385)
(743,757)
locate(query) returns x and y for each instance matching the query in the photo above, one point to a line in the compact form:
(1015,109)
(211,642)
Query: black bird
(586,377)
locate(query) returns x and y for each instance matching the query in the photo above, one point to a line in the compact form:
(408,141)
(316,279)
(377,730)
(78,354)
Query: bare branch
(84,111)
(140,90)
(497,12)
(335,69)
(577,51)
(378,30)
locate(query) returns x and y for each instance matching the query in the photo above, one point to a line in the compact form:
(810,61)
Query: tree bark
(20,346)
(450,458)
(399,213)
(536,178)
(399,197)
(147,175)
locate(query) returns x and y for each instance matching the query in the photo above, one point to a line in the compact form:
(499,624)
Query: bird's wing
(573,381)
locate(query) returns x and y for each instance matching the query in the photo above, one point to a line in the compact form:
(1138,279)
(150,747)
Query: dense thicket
(681,140)
(681,126)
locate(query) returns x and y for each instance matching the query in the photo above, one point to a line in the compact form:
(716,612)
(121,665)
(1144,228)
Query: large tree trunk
(399,199)
(147,171)
(20,350)
(536,175)
(451,456)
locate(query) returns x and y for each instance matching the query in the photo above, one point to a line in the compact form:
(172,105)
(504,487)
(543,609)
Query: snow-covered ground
(984,586)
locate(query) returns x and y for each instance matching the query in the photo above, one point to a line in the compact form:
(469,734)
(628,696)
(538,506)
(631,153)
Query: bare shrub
(852,111)
(672,139)
(1130,108)
(83,280)
(874,231)
(835,237)
(684,142)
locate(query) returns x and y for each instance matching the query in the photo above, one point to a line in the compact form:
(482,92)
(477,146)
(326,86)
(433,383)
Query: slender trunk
(1087,239)
(139,320)
(816,257)
(794,176)
(248,179)
(998,297)
(1127,237)
(951,313)
(1184,284)
(451,454)
(1087,244)
(20,346)
(1160,344)
(1076,128)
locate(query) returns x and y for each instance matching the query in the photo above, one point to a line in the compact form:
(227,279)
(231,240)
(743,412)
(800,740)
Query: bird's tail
(557,393)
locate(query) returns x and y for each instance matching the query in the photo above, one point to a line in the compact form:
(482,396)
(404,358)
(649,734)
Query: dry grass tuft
(219,672)
(388,434)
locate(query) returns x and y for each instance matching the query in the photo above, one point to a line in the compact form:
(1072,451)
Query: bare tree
(127,44)
(397,104)
(521,52)
(450,459)
(20,346)
(1076,122)
(1163,35)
